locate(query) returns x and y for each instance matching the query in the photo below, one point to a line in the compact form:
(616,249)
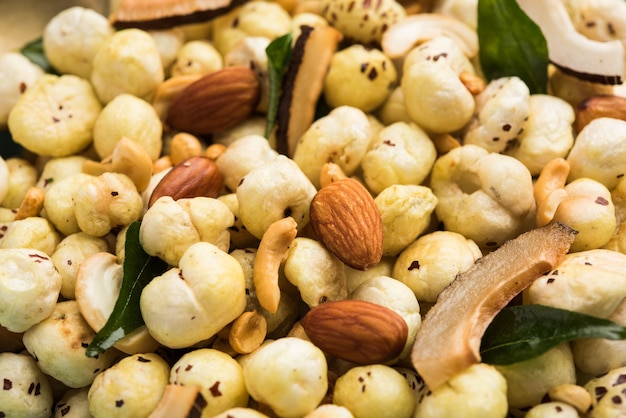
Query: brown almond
(345,219)
(356,331)
(216,102)
(598,107)
(193,177)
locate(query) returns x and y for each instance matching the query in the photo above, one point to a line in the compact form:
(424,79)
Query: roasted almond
(345,219)
(216,102)
(356,331)
(193,177)
(599,107)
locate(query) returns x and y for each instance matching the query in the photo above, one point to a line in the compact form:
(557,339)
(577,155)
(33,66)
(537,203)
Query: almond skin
(216,102)
(356,331)
(193,177)
(345,219)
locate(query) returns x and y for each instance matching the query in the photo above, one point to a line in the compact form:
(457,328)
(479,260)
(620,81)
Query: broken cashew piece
(584,204)
(31,204)
(331,173)
(272,251)
(574,395)
(247,332)
(128,158)
(177,402)
(549,191)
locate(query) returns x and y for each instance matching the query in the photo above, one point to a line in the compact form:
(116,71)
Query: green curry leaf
(511,44)
(35,53)
(278,54)
(139,269)
(520,333)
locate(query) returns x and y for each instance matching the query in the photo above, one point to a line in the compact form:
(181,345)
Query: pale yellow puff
(395,295)
(70,253)
(477,392)
(56,169)
(239,235)
(607,394)
(342,137)
(197,57)
(21,176)
(552,410)
(59,202)
(393,109)
(130,388)
(502,110)
(34,232)
(374,391)
(406,211)
(105,202)
(219,376)
(241,413)
(27,391)
(433,261)
(128,116)
(17,73)
(596,356)
(434,96)
(288,374)
(258,18)
(72,38)
(547,133)
(590,282)
(59,341)
(133,53)
(267,191)
(402,153)
(4,179)
(241,156)
(28,280)
(55,116)
(316,272)
(529,381)
(73,404)
(168,43)
(169,227)
(599,152)
(330,411)
(185,306)
(359,77)
(484,196)
(363,22)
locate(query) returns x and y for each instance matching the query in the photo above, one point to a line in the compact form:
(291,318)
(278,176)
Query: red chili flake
(215,391)
(602,201)
(66,410)
(31,388)
(600,391)
(143,359)
(189,367)
(415,264)
(119,403)
(114,194)
(22,87)
(506,127)
(38,389)
(364,67)
(55,119)
(373,74)
(551,280)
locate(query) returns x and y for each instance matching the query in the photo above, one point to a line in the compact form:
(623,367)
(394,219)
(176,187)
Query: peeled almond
(449,339)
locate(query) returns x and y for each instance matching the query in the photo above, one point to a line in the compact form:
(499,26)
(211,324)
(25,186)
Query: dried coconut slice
(449,339)
(164,14)
(303,84)
(571,51)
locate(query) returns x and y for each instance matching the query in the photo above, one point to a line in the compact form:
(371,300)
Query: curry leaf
(139,269)
(519,333)
(278,54)
(511,44)
(35,53)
